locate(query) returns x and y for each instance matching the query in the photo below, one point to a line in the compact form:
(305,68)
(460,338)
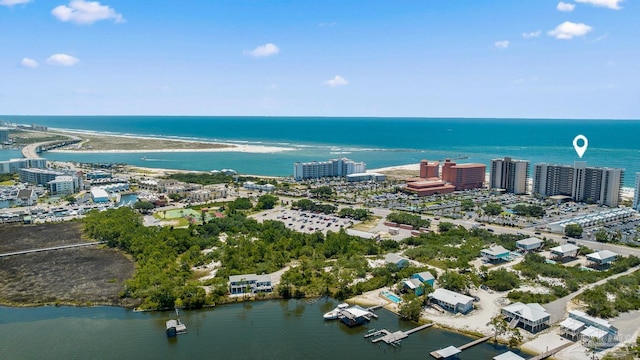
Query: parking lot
(305,221)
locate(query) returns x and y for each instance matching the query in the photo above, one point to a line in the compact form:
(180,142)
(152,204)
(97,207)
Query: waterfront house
(425,277)
(529,244)
(414,285)
(571,328)
(602,258)
(26,197)
(249,284)
(452,301)
(496,254)
(565,252)
(397,260)
(532,317)
(594,329)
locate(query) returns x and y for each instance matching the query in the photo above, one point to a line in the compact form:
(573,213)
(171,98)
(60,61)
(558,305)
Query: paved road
(30,151)
(558,308)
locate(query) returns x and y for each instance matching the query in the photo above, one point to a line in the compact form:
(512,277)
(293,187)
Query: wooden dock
(436,355)
(551,352)
(393,338)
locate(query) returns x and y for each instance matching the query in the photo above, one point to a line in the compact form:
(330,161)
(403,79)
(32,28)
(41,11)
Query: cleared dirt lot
(87,275)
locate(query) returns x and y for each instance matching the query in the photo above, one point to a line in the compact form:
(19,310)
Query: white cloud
(611,4)
(10,3)
(566,7)
(501,44)
(568,30)
(28,63)
(264,50)
(85,12)
(62,60)
(530,35)
(337,81)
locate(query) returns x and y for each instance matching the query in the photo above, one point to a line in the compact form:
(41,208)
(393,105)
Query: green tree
(322,192)
(445,226)
(411,307)
(492,209)
(502,280)
(70,199)
(267,202)
(143,206)
(573,230)
(454,281)
(467,204)
(602,236)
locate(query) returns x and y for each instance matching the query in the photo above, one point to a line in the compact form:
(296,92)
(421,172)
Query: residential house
(26,197)
(397,260)
(249,284)
(532,317)
(452,301)
(496,254)
(529,244)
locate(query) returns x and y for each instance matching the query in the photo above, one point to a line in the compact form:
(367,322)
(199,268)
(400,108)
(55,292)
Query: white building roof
(572,324)
(450,297)
(243,277)
(495,250)
(601,255)
(532,312)
(529,241)
(362,234)
(508,356)
(563,249)
(448,351)
(357,311)
(426,275)
(582,315)
(594,332)
(98,193)
(413,283)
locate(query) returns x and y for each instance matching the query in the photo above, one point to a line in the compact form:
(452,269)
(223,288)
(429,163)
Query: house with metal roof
(529,244)
(564,252)
(452,301)
(425,277)
(508,356)
(602,258)
(447,353)
(532,317)
(495,254)
(594,329)
(396,259)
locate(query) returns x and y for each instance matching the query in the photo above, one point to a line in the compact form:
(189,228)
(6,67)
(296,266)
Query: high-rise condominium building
(581,182)
(509,174)
(636,193)
(332,168)
(464,176)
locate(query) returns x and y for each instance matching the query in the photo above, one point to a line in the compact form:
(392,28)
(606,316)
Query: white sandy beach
(228,147)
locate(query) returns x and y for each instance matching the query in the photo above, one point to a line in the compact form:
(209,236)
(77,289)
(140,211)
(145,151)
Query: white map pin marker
(580,149)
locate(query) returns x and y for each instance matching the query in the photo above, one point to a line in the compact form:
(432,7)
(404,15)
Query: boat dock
(438,355)
(393,338)
(551,352)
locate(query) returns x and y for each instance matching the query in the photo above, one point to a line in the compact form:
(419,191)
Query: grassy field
(87,275)
(96,142)
(367,225)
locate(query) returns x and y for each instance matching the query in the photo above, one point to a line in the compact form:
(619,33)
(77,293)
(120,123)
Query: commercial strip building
(582,183)
(599,218)
(331,168)
(510,175)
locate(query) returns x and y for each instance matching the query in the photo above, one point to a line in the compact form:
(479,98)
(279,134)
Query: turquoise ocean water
(379,142)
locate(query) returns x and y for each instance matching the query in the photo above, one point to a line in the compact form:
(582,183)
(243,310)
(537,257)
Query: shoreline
(216,146)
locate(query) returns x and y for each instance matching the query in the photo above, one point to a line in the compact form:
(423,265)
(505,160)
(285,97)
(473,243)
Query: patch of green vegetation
(408,219)
(201,178)
(614,297)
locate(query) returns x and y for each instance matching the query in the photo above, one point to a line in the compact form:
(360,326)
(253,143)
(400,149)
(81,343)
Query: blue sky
(420,58)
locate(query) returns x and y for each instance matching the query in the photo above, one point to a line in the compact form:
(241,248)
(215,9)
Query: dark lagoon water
(256,330)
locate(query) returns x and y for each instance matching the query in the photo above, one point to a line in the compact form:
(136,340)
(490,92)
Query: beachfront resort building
(331,168)
(4,135)
(582,183)
(249,284)
(510,175)
(14,165)
(532,317)
(428,187)
(38,176)
(636,193)
(463,176)
(429,169)
(452,301)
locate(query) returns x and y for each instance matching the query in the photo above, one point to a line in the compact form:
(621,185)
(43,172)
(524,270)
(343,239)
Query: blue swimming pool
(391,297)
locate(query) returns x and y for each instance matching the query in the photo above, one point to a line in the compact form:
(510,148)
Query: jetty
(452,350)
(393,338)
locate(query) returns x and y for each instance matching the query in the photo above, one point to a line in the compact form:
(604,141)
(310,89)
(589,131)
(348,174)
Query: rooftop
(495,250)
(529,241)
(563,249)
(450,297)
(532,312)
(602,255)
(508,356)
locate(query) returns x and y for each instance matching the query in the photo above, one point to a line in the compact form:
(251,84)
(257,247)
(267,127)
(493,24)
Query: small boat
(175,327)
(335,313)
